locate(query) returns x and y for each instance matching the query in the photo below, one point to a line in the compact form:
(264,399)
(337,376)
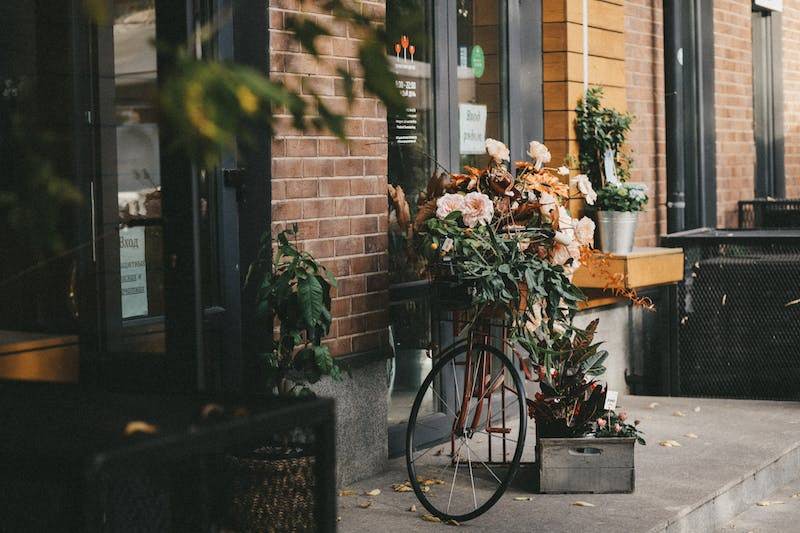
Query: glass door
(170,290)
(450,59)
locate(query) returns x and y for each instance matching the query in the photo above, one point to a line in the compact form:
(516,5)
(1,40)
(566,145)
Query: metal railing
(762,213)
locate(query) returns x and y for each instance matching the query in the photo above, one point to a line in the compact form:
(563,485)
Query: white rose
(478,209)
(539,153)
(449,203)
(584,231)
(585,187)
(497,150)
(565,221)
(565,237)
(564,171)
(547,204)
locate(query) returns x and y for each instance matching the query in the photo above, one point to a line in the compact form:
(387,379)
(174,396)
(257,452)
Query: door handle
(235,179)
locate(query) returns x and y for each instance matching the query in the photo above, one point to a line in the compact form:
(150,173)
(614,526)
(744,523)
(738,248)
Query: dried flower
(449,203)
(497,150)
(585,187)
(478,209)
(564,171)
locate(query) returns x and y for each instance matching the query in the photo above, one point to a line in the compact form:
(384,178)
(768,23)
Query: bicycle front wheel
(480,398)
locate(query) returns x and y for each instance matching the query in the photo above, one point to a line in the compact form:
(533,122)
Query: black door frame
(767,33)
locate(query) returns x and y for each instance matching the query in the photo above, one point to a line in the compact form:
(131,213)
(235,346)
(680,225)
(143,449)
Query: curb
(715,510)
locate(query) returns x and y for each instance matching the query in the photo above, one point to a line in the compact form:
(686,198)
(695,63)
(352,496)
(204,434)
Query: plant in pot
(606,168)
(572,452)
(272,487)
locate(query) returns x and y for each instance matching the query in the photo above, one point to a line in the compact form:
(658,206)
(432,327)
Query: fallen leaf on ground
(425,489)
(211,409)
(347,493)
(653,405)
(338,518)
(430,518)
(523,499)
(690,436)
(402,487)
(412,509)
(670,444)
(767,503)
(581,503)
(452,522)
(373,492)
(429,482)
(678,413)
(364,505)
(697,409)
(138,426)
(796,495)
(438,452)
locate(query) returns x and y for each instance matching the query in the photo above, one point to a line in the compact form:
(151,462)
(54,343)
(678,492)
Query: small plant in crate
(613,424)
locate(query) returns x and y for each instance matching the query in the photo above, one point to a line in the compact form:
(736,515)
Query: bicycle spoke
(484,464)
(455,473)
(471,479)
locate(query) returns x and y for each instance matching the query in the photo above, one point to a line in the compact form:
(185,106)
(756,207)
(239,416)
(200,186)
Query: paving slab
(743,451)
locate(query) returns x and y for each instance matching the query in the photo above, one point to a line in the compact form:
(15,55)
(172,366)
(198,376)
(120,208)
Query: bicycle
(482,393)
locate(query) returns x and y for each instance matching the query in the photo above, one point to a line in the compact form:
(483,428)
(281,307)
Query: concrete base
(361,429)
(614,331)
(738,452)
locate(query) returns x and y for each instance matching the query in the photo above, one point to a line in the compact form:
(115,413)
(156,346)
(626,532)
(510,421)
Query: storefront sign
(478,61)
(472,128)
(133,272)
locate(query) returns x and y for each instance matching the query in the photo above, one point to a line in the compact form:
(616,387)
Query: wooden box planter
(586,465)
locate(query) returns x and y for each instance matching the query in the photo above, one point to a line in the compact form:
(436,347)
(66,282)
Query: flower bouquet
(503,234)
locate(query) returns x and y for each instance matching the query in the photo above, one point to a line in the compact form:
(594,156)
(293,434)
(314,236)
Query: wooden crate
(643,267)
(586,465)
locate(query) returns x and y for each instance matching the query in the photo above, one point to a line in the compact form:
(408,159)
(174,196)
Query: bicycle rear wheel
(481,395)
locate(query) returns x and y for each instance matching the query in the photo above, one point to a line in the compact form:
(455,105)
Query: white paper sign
(133,272)
(472,128)
(774,5)
(610,167)
(611,400)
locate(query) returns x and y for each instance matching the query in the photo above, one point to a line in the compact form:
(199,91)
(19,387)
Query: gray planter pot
(617,230)
(586,465)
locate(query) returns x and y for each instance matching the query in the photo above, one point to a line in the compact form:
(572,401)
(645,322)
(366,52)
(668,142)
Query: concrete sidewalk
(743,452)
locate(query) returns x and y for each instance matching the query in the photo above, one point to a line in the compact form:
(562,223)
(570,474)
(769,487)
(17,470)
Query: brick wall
(335,191)
(644,70)
(733,98)
(791,95)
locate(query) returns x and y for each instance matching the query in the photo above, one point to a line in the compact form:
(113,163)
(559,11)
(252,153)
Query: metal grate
(769,213)
(65,464)
(736,316)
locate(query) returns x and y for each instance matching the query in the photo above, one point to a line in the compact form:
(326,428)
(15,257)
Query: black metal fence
(735,319)
(764,213)
(79,461)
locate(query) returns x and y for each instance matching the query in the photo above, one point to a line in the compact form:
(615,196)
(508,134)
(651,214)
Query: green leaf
(309,292)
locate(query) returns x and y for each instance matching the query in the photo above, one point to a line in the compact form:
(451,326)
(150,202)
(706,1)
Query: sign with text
(472,128)
(611,400)
(133,272)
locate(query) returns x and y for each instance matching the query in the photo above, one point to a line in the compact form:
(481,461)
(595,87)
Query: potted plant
(272,486)
(606,167)
(580,447)
(618,205)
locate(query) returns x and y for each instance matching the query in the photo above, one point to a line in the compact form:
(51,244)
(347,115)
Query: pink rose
(623,416)
(539,153)
(449,203)
(617,428)
(559,254)
(601,423)
(584,186)
(584,231)
(478,209)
